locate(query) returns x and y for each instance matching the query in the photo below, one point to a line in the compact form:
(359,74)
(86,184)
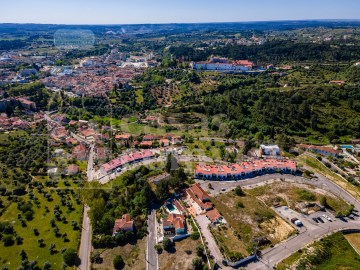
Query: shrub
(118,262)
(239,191)
(95,257)
(158,248)
(240,204)
(195,235)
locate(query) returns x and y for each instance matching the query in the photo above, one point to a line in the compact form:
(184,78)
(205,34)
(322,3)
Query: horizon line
(174,23)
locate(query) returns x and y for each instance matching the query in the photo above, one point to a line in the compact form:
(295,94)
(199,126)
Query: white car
(327,218)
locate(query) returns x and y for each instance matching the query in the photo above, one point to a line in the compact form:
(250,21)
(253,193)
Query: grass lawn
(354,240)
(251,218)
(320,168)
(133,256)
(9,256)
(182,257)
(330,253)
(204,148)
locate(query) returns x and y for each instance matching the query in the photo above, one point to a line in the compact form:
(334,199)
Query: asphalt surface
(204,222)
(272,256)
(85,243)
(109,177)
(90,164)
(152,262)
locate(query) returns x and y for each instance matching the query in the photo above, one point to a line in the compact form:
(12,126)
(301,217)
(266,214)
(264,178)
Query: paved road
(204,222)
(109,177)
(85,243)
(274,255)
(90,171)
(346,153)
(152,262)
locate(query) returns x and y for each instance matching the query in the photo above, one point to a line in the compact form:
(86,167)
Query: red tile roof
(126,158)
(213,215)
(200,196)
(321,148)
(245,167)
(175,220)
(123,136)
(125,223)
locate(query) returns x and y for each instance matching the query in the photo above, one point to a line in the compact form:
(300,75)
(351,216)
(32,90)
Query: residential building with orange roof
(214,216)
(199,196)
(247,169)
(174,224)
(123,224)
(326,151)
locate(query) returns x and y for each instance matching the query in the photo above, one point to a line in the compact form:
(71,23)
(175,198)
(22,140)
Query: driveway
(204,222)
(152,260)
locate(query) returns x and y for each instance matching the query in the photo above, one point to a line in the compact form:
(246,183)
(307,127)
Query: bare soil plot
(290,194)
(251,219)
(182,257)
(133,256)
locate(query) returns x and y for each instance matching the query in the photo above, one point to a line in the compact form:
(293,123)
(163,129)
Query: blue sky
(172,11)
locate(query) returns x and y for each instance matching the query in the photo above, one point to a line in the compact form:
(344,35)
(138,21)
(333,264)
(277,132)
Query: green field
(330,253)
(43,212)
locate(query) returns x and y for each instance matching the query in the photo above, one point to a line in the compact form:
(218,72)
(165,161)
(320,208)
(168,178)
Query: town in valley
(180,145)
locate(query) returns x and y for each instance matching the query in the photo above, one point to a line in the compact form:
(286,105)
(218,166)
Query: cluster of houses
(243,170)
(201,199)
(325,151)
(10,123)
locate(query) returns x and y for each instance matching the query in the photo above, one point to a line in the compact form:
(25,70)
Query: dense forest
(327,110)
(274,52)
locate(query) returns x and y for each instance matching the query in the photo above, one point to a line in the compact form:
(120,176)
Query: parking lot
(312,222)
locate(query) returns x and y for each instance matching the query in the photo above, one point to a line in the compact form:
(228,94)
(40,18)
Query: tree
(47,266)
(239,191)
(197,263)
(200,251)
(167,244)
(168,163)
(118,262)
(23,255)
(8,240)
(70,257)
(323,201)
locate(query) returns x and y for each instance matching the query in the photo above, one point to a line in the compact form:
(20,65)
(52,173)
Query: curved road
(271,256)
